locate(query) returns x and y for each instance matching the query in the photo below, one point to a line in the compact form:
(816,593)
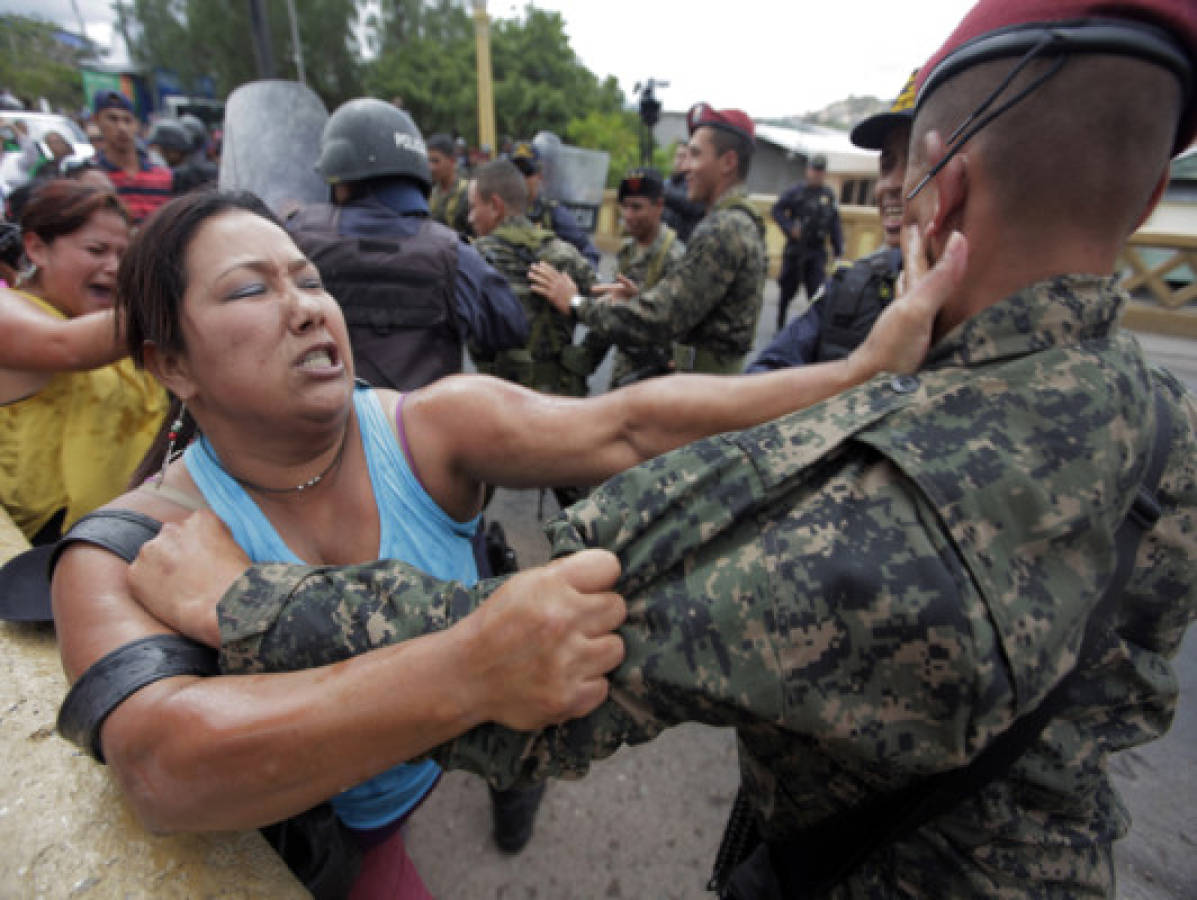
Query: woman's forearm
(33,341)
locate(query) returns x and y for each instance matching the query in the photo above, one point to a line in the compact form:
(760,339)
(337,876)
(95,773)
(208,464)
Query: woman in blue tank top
(301,465)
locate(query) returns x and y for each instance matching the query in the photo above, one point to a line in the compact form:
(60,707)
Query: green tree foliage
(540,85)
(196,38)
(427,57)
(619,134)
(34,64)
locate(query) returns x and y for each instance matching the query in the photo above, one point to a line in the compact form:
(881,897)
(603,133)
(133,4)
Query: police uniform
(709,304)
(840,319)
(412,293)
(804,259)
(861,598)
(546,362)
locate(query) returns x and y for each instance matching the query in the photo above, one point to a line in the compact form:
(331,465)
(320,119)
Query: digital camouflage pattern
(645,266)
(869,591)
(711,300)
(547,363)
(451,207)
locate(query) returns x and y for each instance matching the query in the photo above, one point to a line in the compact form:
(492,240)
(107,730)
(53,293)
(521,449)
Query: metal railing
(1159,264)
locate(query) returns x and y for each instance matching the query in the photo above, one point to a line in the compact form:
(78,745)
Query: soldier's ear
(951,186)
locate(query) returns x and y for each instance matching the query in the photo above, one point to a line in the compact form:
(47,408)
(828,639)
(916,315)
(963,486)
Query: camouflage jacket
(646,267)
(544,364)
(869,591)
(451,207)
(712,298)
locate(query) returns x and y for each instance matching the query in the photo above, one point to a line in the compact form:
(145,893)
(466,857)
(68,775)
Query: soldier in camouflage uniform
(710,303)
(875,589)
(449,202)
(510,243)
(650,252)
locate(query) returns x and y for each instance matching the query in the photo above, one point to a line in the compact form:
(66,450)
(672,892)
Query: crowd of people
(929,554)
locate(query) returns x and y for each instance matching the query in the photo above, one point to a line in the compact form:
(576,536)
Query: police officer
(448,202)
(710,303)
(849,303)
(200,169)
(174,145)
(546,213)
(650,251)
(412,292)
(808,217)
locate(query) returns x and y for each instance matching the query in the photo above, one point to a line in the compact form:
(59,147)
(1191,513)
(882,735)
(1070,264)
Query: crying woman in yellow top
(75,417)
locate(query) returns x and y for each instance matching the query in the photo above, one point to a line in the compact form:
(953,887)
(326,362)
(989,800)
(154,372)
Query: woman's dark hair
(150,285)
(60,206)
(152,277)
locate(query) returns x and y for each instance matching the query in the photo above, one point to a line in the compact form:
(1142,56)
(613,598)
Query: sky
(769,57)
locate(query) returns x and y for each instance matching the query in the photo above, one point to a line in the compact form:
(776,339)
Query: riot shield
(572,176)
(271,144)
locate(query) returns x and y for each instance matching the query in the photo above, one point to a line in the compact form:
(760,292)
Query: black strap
(812,861)
(120,531)
(127,669)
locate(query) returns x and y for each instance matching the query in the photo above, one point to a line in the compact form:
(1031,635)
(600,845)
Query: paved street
(646,822)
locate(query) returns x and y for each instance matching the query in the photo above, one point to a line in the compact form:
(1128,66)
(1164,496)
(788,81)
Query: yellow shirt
(75,443)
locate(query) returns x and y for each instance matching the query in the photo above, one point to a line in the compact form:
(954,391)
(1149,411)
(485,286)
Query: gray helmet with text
(368,138)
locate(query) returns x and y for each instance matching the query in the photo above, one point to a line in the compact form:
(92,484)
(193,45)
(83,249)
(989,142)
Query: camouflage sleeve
(681,299)
(818,603)
(278,617)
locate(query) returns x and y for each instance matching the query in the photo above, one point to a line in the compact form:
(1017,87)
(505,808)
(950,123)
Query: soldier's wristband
(576,302)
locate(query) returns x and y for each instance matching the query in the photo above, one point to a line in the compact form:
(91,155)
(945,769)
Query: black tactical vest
(396,294)
(854,299)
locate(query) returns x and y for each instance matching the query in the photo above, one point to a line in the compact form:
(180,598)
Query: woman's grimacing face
(76,272)
(263,339)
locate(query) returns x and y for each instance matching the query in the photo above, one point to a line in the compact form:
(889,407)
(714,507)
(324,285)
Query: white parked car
(11,174)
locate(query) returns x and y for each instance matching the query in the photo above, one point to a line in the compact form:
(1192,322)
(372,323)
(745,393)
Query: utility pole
(297,54)
(486,97)
(260,29)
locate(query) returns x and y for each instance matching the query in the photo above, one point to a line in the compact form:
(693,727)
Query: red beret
(735,120)
(1160,31)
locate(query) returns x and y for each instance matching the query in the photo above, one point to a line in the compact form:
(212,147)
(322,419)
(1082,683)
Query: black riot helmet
(196,130)
(369,138)
(170,135)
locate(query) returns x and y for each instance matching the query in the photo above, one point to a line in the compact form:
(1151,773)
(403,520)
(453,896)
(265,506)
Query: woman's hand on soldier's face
(902,335)
(180,576)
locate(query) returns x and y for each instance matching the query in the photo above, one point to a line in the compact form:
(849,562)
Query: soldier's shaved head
(1084,151)
(502,179)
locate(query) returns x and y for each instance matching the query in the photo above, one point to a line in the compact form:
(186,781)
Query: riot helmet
(170,135)
(369,138)
(196,130)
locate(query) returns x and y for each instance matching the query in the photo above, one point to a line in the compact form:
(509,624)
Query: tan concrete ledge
(65,829)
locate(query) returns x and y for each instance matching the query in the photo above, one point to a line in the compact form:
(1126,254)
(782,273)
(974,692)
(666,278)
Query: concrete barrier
(65,829)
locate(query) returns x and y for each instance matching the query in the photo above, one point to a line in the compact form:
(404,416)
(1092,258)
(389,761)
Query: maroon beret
(735,120)
(1160,31)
